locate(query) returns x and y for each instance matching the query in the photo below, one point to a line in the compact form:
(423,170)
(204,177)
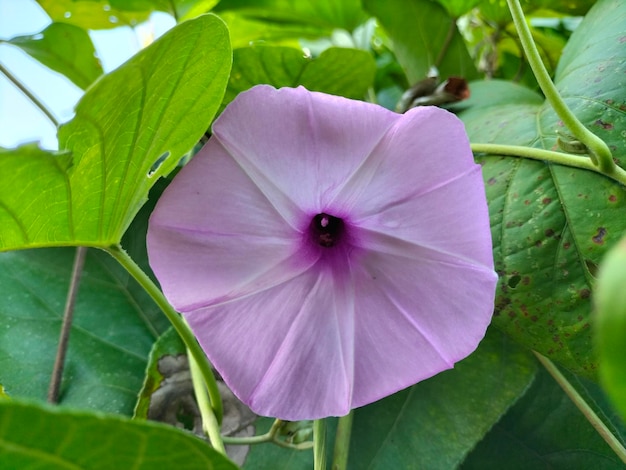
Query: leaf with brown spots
(552,224)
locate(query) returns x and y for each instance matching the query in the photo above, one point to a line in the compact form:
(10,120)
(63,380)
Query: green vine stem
(209,422)
(584,407)
(598,150)
(342,442)
(177,322)
(13,79)
(271,436)
(319,444)
(575,161)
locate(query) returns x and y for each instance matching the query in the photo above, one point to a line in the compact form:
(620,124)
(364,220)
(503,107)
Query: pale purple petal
(327,252)
(215,233)
(287,351)
(300,147)
(418,313)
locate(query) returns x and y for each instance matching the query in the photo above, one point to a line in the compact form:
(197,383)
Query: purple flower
(327,252)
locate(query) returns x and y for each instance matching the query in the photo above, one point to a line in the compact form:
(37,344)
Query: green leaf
(325,14)
(130,128)
(544,430)
(435,423)
(424,35)
(99,14)
(37,436)
(66,49)
(115,324)
(340,71)
(457,8)
(551,225)
(610,323)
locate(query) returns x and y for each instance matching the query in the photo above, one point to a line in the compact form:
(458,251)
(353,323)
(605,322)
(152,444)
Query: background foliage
(551,225)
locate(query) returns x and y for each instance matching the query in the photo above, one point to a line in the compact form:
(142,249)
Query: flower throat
(326,230)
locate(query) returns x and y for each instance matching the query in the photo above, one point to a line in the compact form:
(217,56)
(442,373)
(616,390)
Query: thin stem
(599,151)
(584,407)
(575,161)
(13,79)
(342,442)
(209,423)
(267,437)
(270,436)
(66,327)
(177,322)
(319,444)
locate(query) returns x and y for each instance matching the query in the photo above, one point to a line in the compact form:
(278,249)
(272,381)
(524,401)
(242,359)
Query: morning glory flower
(327,252)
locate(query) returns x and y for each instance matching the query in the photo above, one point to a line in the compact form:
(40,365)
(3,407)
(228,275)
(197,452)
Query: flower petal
(451,218)
(425,148)
(286,351)
(414,320)
(300,146)
(213,233)
(303,330)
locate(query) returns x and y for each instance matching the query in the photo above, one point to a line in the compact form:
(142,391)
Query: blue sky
(20,120)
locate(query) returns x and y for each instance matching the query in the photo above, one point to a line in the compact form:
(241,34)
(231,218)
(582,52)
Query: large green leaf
(435,423)
(37,436)
(424,34)
(66,49)
(552,224)
(115,324)
(545,431)
(340,71)
(130,128)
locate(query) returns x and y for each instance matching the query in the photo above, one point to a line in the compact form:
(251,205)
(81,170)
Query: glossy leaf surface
(551,225)
(130,128)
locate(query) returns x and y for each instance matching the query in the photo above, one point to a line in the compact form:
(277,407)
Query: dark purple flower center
(326,229)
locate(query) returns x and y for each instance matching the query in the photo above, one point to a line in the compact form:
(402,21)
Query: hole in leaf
(592,267)
(514,281)
(157,164)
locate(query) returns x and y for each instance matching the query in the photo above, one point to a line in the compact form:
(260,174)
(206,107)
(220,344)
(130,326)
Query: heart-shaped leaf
(552,224)
(130,128)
